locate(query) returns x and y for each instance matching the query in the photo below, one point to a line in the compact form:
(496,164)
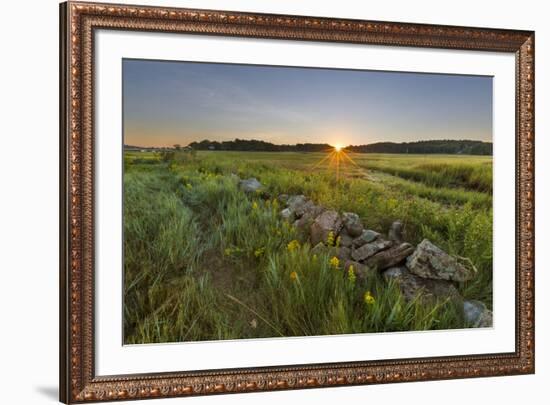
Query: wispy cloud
(169,101)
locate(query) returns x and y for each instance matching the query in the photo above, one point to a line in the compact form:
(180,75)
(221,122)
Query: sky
(167,103)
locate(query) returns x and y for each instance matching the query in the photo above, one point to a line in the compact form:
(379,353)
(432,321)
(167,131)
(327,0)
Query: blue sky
(180,102)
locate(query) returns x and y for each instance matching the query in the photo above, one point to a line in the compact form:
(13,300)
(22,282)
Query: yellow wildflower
(392,203)
(293,276)
(334,262)
(351,274)
(228,251)
(293,245)
(260,251)
(338,241)
(254,205)
(330,238)
(368,298)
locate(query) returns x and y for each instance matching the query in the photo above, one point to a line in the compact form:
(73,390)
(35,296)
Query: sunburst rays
(337,160)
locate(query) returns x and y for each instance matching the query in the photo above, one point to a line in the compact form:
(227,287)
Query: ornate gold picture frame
(79,22)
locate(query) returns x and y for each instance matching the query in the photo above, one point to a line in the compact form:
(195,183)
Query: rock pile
(425,270)
(251,185)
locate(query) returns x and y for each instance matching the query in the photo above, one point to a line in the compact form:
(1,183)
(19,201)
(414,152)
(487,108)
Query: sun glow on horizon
(337,159)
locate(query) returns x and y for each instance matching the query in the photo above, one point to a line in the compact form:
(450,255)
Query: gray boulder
(298,204)
(352,223)
(313,211)
(250,185)
(367,236)
(394,272)
(361,271)
(390,257)
(342,253)
(303,223)
(429,261)
(395,233)
(411,286)
(328,221)
(370,249)
(287,215)
(476,314)
(309,213)
(302,209)
(345,239)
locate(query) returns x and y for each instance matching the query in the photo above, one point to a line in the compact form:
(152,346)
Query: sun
(337,158)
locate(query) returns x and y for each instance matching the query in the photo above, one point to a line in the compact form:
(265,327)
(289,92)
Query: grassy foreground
(203,261)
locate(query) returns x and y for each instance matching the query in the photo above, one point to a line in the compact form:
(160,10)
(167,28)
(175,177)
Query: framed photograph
(263,202)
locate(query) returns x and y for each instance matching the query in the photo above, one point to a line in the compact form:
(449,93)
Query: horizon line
(308,143)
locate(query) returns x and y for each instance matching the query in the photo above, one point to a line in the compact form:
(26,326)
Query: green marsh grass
(204,261)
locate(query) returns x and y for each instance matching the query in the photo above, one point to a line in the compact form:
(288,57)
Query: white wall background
(29,198)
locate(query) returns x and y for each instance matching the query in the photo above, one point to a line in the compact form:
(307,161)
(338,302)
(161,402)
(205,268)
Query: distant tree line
(258,146)
(149,148)
(464,147)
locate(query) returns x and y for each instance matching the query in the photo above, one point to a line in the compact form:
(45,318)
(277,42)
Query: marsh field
(204,260)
